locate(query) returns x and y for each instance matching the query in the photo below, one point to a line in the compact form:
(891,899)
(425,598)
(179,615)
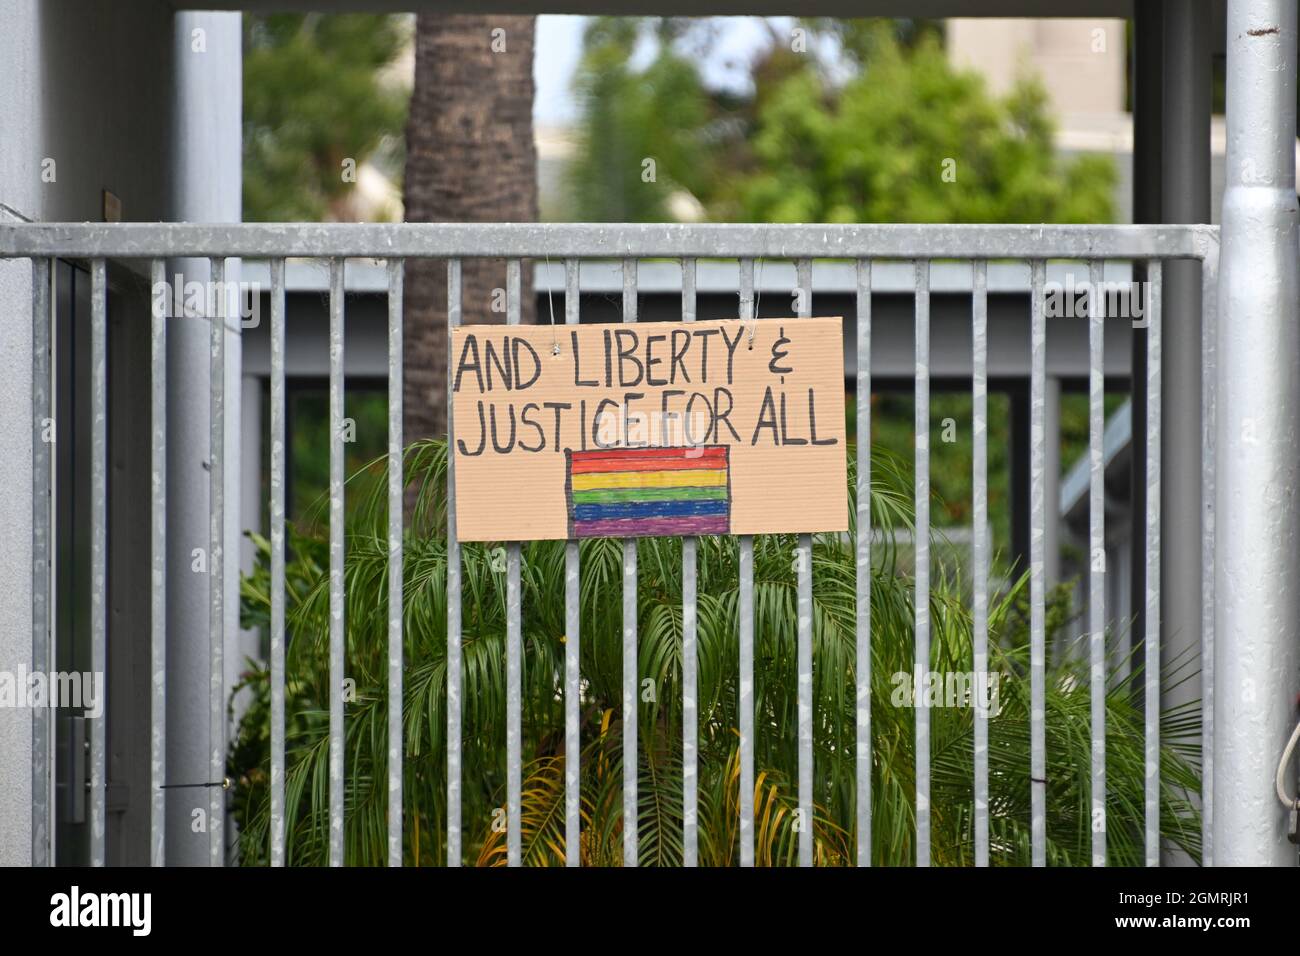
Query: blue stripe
(648,509)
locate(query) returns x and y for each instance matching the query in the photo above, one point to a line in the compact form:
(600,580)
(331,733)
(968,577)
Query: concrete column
(208,184)
(1185,197)
(1257,595)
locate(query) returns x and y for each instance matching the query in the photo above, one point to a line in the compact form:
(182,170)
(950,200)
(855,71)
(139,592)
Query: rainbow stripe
(647,492)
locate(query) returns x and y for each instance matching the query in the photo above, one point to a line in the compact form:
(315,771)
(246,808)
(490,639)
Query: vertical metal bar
(690,661)
(921,663)
(1147,72)
(453,592)
(42,448)
(1151,642)
(395,604)
(514,644)
(630,760)
(1097,556)
(803,279)
(336,596)
(277,563)
(746,635)
(514,711)
(863,562)
(980,549)
(1037,582)
(803,272)
(158,567)
(98,544)
(1209,329)
(572,646)
(216,567)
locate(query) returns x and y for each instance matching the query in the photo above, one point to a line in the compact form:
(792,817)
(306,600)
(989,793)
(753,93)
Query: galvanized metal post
(1258,442)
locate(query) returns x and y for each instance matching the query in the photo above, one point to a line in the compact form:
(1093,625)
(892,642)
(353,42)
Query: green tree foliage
(630,115)
(806,147)
(659,808)
(315,95)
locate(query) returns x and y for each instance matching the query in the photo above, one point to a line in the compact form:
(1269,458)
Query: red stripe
(696,453)
(614,465)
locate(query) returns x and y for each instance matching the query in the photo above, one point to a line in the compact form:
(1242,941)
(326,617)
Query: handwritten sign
(664,428)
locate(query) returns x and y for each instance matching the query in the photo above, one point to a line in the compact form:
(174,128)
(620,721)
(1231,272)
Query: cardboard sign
(663,428)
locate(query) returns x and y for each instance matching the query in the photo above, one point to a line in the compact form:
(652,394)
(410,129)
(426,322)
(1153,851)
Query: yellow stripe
(691,478)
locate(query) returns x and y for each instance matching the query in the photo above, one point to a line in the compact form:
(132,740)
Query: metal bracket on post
(1291,803)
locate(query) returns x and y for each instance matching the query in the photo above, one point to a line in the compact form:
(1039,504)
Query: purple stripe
(651,527)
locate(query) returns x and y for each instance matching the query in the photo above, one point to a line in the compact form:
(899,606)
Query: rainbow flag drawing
(648,492)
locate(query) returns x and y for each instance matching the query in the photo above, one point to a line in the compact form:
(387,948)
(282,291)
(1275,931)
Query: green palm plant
(659,820)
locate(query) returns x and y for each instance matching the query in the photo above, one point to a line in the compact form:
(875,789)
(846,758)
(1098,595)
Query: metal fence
(1149,245)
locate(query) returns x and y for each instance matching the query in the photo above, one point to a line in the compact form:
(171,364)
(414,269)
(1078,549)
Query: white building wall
(87,86)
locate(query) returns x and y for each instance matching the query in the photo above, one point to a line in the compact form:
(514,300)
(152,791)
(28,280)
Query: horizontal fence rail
(573,244)
(565,240)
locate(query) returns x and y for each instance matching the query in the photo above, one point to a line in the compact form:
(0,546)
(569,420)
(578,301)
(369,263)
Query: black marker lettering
(482,437)
(595,423)
(609,371)
(721,417)
(496,445)
(464,365)
(766,418)
(812,423)
(559,407)
(577,374)
(678,357)
(541,434)
(708,429)
(502,362)
(785,433)
(703,336)
(626,354)
(731,349)
(515,346)
(651,361)
(628,399)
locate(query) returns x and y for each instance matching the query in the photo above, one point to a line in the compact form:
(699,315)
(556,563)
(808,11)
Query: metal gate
(1150,246)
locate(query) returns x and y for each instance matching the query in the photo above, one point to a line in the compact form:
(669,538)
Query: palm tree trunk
(470,157)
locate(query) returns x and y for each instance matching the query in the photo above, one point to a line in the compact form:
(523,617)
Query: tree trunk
(470,157)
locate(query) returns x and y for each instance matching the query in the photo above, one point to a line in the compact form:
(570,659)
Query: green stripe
(601,496)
